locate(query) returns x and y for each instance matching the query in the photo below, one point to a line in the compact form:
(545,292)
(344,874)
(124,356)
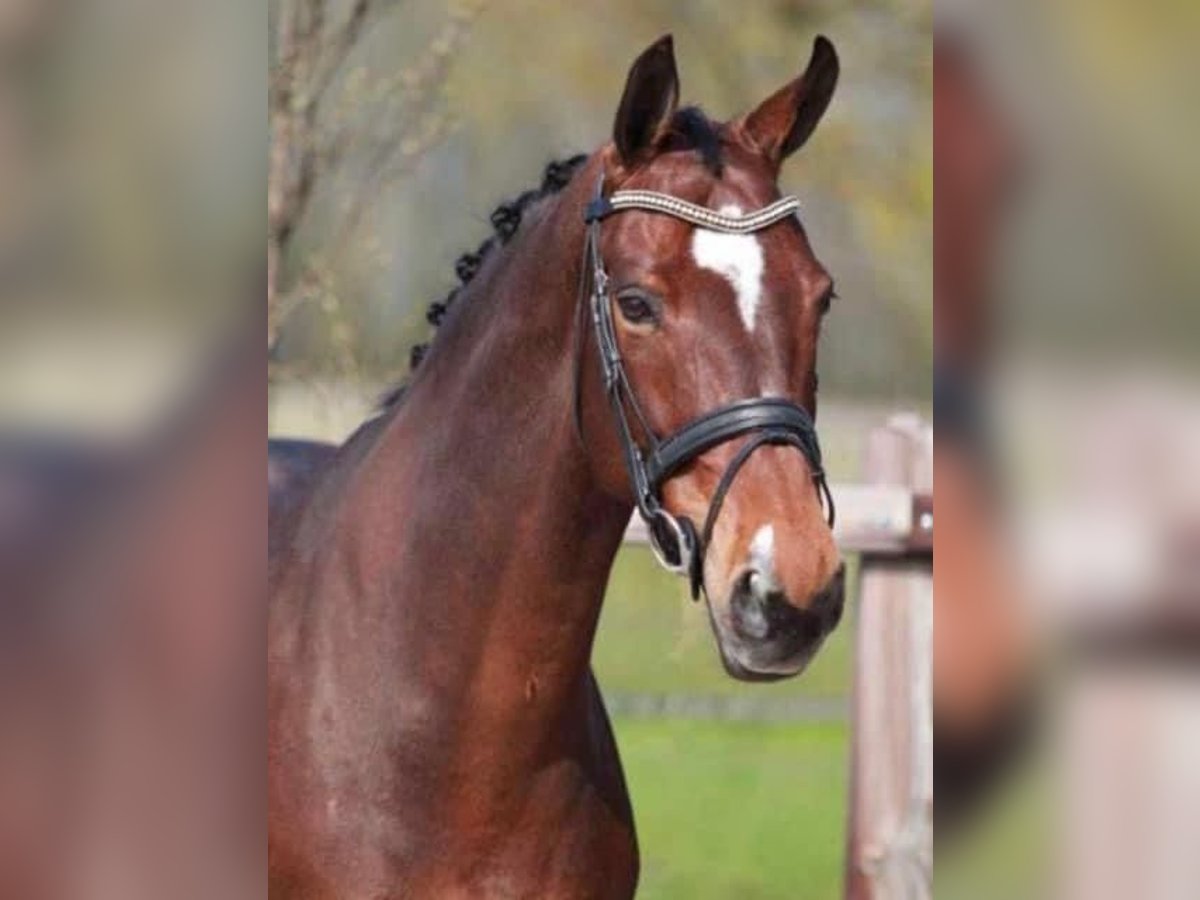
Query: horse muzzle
(763,635)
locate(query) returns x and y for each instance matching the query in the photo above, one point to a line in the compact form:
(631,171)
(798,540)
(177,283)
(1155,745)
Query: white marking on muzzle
(762,561)
(738,258)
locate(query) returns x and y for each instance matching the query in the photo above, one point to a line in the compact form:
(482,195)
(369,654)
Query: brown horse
(435,729)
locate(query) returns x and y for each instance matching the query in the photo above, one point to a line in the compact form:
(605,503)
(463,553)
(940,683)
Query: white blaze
(738,258)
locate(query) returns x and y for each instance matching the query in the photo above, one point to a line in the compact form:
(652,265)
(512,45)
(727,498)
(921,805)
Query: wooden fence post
(890,830)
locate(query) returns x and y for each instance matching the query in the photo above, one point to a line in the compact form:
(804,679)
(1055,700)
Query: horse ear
(785,120)
(651,95)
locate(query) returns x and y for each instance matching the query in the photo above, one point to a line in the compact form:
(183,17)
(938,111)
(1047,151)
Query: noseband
(767,420)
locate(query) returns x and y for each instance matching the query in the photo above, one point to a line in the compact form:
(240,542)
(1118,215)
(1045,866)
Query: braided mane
(690,129)
(505,219)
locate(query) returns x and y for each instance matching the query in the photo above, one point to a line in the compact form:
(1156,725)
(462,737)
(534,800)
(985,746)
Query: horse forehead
(737,258)
(755,266)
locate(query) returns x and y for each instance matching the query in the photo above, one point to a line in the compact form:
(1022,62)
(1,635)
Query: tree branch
(338,48)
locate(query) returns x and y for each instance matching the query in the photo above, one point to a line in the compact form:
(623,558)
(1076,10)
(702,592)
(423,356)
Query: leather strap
(769,436)
(731,421)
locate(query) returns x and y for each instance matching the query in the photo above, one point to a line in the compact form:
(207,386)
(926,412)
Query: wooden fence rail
(889,844)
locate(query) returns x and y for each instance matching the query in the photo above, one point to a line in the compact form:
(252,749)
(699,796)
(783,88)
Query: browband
(690,212)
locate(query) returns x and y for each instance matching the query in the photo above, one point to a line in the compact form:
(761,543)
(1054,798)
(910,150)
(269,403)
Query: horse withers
(641,333)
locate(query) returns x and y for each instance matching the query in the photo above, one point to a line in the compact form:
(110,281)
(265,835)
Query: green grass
(1008,849)
(732,810)
(724,809)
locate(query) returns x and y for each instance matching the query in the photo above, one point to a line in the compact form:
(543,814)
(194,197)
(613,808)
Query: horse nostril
(761,611)
(749,605)
(804,626)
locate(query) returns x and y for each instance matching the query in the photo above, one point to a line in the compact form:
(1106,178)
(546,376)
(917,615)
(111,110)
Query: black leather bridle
(767,420)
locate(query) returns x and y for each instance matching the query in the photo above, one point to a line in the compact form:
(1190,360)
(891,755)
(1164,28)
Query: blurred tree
(540,81)
(326,113)
(27,29)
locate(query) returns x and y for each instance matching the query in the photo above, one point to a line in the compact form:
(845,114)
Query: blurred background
(441,110)
(429,115)
(132,166)
(132,400)
(1065,328)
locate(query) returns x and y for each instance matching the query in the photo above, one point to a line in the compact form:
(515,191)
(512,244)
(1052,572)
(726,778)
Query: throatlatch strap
(690,212)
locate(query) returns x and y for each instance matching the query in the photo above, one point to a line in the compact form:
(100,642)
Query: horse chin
(763,662)
(741,672)
(744,667)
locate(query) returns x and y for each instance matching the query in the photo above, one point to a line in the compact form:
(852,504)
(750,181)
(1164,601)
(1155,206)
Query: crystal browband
(690,212)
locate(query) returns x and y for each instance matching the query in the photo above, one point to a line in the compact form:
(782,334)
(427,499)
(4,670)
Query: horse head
(708,319)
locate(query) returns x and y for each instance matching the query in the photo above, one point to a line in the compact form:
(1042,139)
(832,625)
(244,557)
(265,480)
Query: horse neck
(506,539)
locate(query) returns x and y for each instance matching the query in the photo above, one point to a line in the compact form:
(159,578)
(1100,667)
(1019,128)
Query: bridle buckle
(680,561)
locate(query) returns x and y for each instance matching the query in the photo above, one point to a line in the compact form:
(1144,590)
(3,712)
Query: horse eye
(827,301)
(636,308)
